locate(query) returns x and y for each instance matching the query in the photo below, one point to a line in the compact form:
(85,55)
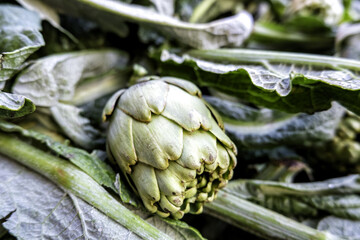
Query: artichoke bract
(170,144)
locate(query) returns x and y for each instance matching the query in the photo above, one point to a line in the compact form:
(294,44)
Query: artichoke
(342,153)
(330,11)
(170,144)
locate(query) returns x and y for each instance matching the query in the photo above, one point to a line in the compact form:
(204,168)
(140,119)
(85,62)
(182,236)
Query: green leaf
(75,126)
(231,31)
(271,35)
(19,37)
(183,230)
(285,81)
(54,78)
(89,163)
(264,128)
(45,211)
(13,105)
(125,193)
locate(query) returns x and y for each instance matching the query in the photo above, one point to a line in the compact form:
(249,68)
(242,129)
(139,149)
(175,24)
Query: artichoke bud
(170,144)
(331,11)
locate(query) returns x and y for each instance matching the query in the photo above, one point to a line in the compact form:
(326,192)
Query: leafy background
(281,114)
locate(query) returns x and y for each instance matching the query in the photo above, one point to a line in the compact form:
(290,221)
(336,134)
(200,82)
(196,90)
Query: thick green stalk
(261,221)
(77,182)
(278,35)
(248,56)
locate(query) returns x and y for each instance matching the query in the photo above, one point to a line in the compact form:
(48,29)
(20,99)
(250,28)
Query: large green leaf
(19,37)
(54,78)
(13,105)
(264,128)
(348,229)
(285,81)
(230,31)
(75,126)
(54,213)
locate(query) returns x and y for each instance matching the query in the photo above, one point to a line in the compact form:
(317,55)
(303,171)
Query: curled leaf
(19,37)
(231,31)
(54,78)
(288,82)
(13,105)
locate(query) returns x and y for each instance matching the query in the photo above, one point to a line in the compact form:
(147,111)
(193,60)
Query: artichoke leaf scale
(186,110)
(135,109)
(182,173)
(167,205)
(169,184)
(184,85)
(156,96)
(146,184)
(123,148)
(157,145)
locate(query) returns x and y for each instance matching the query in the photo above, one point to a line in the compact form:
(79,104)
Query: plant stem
(261,221)
(72,179)
(248,56)
(279,35)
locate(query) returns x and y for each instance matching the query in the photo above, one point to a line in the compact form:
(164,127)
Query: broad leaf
(285,81)
(42,210)
(13,105)
(54,78)
(19,37)
(75,126)
(264,128)
(231,31)
(348,229)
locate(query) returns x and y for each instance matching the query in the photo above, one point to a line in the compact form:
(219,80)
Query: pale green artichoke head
(331,11)
(171,145)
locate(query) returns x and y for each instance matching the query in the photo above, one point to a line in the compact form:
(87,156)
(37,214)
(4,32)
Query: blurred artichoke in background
(343,152)
(329,11)
(170,144)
